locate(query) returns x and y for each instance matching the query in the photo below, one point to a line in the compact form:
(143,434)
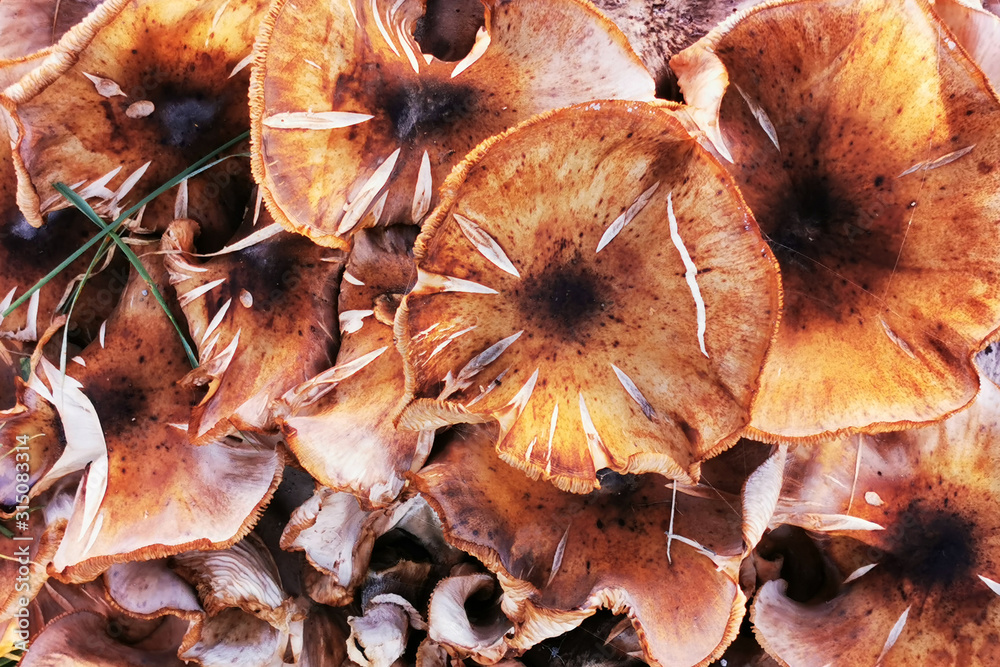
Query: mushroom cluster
(374,333)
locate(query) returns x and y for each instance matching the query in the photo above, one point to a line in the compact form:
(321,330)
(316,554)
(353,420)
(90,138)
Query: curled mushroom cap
(33,25)
(339,423)
(90,639)
(977,30)
(262,318)
(465,617)
(581,271)
(147,492)
(922,584)
(879,198)
(367,125)
(129,98)
(558,555)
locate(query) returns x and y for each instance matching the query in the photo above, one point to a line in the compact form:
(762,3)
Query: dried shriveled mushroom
(879,196)
(923,589)
(559,555)
(132,96)
(147,491)
(263,319)
(339,423)
(593,282)
(338,536)
(363,128)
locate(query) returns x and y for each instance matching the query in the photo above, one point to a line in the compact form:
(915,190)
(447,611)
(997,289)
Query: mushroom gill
(878,195)
(352,125)
(593,282)
(920,585)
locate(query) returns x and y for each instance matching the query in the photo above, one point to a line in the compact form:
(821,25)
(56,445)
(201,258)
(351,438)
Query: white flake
(615,228)
(690,274)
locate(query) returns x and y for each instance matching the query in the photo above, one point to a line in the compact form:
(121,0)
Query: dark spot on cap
(933,548)
(185,119)
(414,110)
(565,298)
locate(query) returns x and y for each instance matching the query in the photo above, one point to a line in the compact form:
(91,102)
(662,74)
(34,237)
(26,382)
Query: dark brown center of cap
(564,299)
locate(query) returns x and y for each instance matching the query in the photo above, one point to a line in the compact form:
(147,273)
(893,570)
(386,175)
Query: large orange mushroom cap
(339,423)
(925,588)
(593,282)
(148,492)
(865,143)
(145,88)
(352,124)
(562,556)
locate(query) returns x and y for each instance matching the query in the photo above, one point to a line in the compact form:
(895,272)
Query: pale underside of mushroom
(366,127)
(878,197)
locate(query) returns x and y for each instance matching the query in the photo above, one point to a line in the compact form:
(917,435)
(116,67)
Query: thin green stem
(108,230)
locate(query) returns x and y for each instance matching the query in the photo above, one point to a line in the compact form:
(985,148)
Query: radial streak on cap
(615,331)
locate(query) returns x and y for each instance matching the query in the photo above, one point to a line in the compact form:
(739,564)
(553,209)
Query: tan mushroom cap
(75,115)
(592,281)
(925,589)
(880,204)
(362,124)
(34,25)
(658,30)
(148,492)
(339,423)
(84,639)
(559,556)
(263,319)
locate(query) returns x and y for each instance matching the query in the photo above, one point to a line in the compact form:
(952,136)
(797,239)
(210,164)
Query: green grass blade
(193,170)
(108,229)
(72,304)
